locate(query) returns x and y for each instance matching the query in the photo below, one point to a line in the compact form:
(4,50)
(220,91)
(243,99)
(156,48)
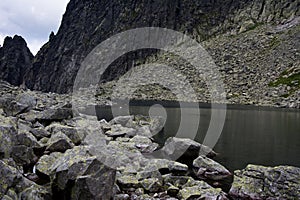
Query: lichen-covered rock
(152,185)
(127,182)
(22,103)
(74,133)
(177,181)
(173,191)
(120,131)
(14,183)
(23,155)
(96,183)
(126,121)
(40,133)
(59,142)
(212,172)
(55,114)
(144,144)
(35,192)
(8,134)
(259,182)
(44,165)
(200,190)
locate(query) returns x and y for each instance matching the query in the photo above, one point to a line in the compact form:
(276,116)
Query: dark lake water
(253,135)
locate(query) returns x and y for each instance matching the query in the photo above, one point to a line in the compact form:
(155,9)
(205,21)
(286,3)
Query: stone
(122,197)
(40,133)
(177,181)
(259,182)
(187,149)
(76,135)
(177,168)
(152,185)
(144,144)
(55,114)
(23,155)
(35,193)
(198,192)
(144,131)
(125,121)
(96,183)
(173,191)
(59,142)
(13,182)
(128,181)
(8,134)
(212,172)
(22,103)
(27,139)
(44,165)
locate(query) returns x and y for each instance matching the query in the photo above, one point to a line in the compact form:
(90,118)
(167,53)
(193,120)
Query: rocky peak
(87,23)
(15,59)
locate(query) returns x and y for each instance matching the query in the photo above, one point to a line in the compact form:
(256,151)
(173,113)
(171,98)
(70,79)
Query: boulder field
(49,151)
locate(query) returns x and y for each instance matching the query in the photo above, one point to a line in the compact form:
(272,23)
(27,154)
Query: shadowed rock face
(87,23)
(15,59)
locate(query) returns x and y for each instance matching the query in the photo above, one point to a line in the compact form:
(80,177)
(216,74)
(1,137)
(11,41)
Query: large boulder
(13,184)
(75,134)
(22,103)
(8,136)
(259,182)
(76,174)
(212,172)
(185,150)
(59,142)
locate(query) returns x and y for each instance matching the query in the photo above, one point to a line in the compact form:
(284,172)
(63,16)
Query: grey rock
(40,133)
(59,142)
(35,193)
(152,185)
(55,114)
(173,191)
(177,168)
(177,181)
(127,182)
(23,155)
(144,144)
(14,182)
(125,121)
(259,182)
(75,134)
(8,134)
(96,183)
(212,172)
(122,197)
(177,148)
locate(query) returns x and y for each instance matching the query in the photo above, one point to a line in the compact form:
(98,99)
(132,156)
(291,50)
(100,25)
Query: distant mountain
(15,59)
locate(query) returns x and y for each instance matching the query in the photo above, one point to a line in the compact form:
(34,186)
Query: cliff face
(15,59)
(87,23)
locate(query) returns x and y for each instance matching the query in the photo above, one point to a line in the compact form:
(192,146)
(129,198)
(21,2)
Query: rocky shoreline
(48,151)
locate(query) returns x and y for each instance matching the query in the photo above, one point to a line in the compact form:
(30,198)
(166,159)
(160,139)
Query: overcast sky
(32,19)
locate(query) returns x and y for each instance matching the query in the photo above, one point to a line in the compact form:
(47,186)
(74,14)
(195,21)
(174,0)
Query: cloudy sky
(32,19)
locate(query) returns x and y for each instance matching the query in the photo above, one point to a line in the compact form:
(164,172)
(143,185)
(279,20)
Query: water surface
(253,135)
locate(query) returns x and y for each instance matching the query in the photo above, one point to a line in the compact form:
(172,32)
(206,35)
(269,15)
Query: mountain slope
(87,23)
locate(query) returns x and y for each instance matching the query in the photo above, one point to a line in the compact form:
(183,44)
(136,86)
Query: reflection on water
(259,136)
